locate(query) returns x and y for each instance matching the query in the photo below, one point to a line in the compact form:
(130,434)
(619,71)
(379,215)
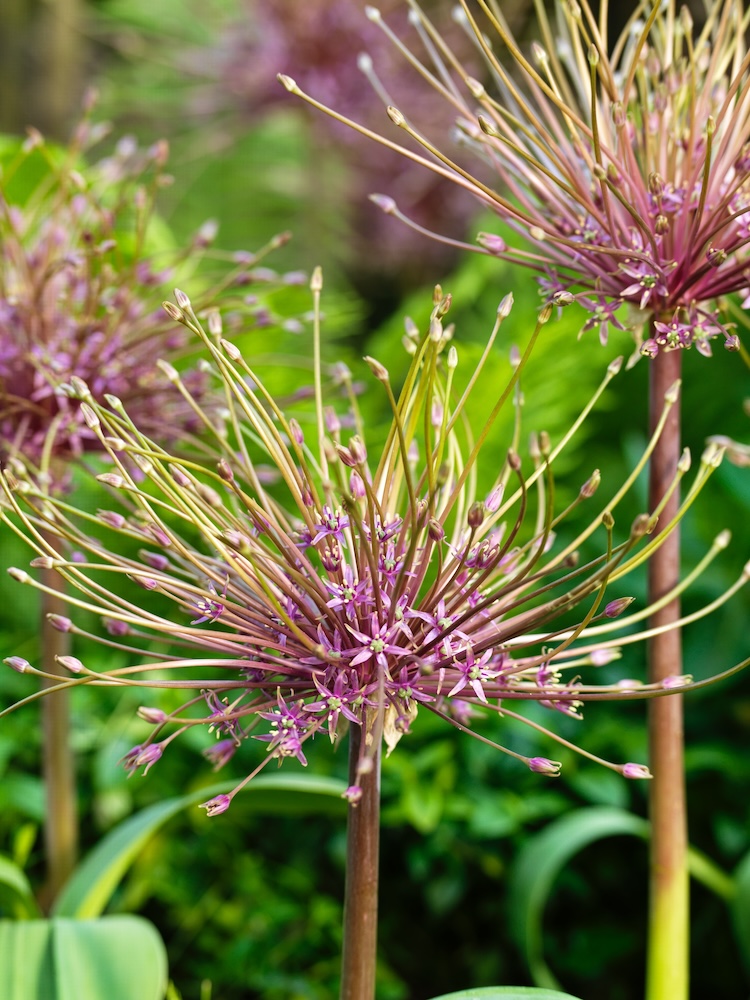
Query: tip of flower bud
(90,418)
(712,455)
(352,795)
(378,370)
(19,575)
(231,351)
(677,681)
(372,13)
(475,88)
(506,304)
(169,370)
(723,539)
(635,771)
(60,623)
(288,83)
(316,281)
(172,311)
(487,126)
(71,663)
(181,298)
(685,460)
(219,804)
(396,116)
(18,664)
(542,765)
(614,366)
(673,392)
(616,608)
(384,202)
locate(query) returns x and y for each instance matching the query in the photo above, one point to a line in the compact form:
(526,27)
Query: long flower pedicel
(625,172)
(369,583)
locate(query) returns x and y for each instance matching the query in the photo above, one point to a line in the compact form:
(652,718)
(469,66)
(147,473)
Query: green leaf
(16,897)
(120,958)
(543,857)
(90,888)
(740,909)
(506,993)
(539,864)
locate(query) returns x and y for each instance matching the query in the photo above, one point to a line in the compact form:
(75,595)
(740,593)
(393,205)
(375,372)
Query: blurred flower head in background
(83,259)
(305,577)
(627,171)
(332,49)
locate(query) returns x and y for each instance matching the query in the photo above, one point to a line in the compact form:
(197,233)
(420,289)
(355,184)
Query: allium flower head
(628,171)
(376,578)
(80,269)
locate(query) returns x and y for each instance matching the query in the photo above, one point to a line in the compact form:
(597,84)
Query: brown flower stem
(361,893)
(58,771)
(667,973)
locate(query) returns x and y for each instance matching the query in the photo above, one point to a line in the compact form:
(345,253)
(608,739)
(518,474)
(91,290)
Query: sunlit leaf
(90,888)
(120,958)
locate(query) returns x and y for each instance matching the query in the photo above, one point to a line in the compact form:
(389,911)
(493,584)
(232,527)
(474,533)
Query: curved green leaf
(539,864)
(15,891)
(543,857)
(90,888)
(506,993)
(120,958)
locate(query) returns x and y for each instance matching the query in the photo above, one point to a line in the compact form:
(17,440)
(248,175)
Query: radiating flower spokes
(625,172)
(321,603)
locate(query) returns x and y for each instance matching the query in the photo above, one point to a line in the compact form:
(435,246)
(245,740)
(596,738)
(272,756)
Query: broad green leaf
(90,888)
(544,856)
(506,993)
(16,897)
(120,958)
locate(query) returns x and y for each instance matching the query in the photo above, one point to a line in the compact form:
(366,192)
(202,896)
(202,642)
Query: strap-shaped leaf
(507,993)
(16,897)
(90,888)
(120,958)
(544,856)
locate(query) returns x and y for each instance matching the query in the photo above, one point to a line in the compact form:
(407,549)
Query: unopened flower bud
(542,765)
(591,485)
(153,715)
(60,623)
(172,311)
(385,203)
(616,608)
(677,681)
(352,794)
(112,518)
(18,664)
(225,470)
(71,663)
(476,515)
(635,771)
(356,485)
(435,530)
(378,370)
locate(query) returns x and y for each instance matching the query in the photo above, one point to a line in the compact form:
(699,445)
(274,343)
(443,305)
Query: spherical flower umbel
(627,171)
(301,608)
(80,269)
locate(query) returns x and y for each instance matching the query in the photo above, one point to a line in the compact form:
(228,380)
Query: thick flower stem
(361,894)
(667,972)
(61,816)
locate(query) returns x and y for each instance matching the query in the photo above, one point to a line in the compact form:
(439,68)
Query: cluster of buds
(80,268)
(626,173)
(368,580)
